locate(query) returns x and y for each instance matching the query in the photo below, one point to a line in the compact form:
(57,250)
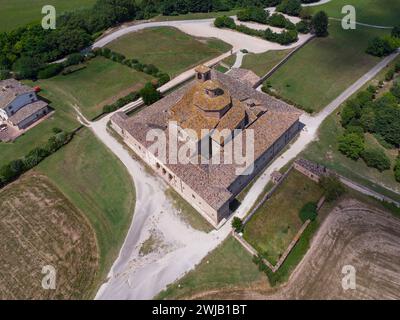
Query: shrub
(4,74)
(333,188)
(303,27)
(396,31)
(73,59)
(389,75)
(237,224)
(15,168)
(133,96)
(382,46)
(50,70)
(256,14)
(290,7)
(308,212)
(319,24)
(225,22)
(397,67)
(397,169)
(149,94)
(351,145)
(376,158)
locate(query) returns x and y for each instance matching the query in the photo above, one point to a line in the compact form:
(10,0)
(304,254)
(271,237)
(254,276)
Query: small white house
(19,104)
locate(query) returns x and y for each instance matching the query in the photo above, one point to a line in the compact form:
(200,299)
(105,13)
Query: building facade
(19,104)
(213,102)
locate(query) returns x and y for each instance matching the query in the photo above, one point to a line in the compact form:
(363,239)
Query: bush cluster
(283,38)
(135,64)
(15,168)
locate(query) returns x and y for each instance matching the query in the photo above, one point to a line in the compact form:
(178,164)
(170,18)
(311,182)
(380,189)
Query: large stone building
(19,104)
(213,101)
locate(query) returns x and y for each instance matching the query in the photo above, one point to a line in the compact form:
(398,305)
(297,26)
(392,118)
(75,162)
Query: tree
(397,169)
(319,24)
(27,67)
(383,46)
(332,186)
(290,7)
(237,224)
(74,58)
(149,94)
(396,31)
(376,158)
(351,145)
(225,22)
(308,212)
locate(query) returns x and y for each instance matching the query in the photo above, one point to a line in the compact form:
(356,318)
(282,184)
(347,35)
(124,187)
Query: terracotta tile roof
(244,75)
(270,118)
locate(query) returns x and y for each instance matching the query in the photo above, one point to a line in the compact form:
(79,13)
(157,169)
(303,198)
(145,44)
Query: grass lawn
(171,50)
(94,180)
(325,151)
(197,15)
(378,12)
(276,222)
(325,67)
(102,82)
(229,266)
(261,63)
(17,13)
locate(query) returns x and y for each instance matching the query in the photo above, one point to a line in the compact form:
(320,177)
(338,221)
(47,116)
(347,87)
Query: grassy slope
(276,223)
(325,67)
(170,50)
(98,184)
(17,13)
(92,87)
(263,62)
(198,15)
(379,12)
(228,266)
(325,151)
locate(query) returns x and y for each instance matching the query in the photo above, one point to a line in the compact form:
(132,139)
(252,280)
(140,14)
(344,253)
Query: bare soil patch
(40,227)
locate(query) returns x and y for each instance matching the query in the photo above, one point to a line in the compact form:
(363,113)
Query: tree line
(27,49)
(380,116)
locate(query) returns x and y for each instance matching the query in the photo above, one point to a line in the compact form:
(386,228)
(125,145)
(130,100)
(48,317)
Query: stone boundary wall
(267,196)
(283,61)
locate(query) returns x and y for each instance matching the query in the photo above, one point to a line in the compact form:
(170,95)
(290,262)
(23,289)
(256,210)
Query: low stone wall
(267,196)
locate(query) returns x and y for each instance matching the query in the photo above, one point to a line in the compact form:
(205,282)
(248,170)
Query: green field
(261,63)
(102,82)
(378,12)
(325,67)
(94,180)
(196,16)
(276,222)
(17,13)
(229,266)
(325,151)
(171,50)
